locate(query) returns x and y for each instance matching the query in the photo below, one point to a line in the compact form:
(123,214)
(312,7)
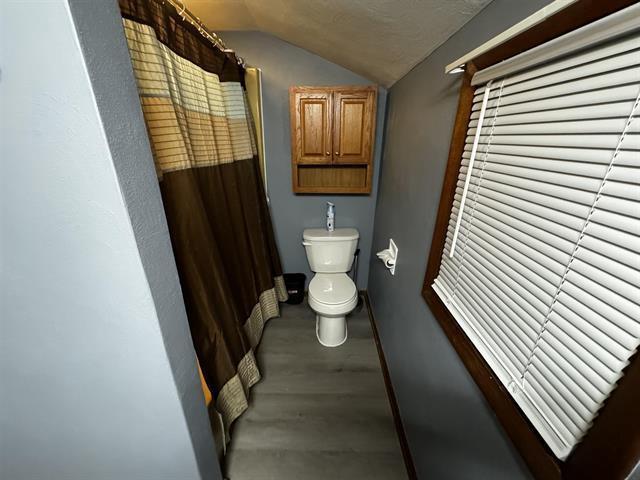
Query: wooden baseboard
(404,445)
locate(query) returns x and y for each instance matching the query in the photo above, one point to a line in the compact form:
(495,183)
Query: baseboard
(404,445)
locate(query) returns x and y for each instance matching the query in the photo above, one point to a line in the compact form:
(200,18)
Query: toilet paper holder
(389,256)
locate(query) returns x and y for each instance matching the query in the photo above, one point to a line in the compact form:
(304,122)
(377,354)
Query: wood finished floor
(317,413)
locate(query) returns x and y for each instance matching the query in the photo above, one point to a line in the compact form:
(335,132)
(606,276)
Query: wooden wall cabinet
(332,138)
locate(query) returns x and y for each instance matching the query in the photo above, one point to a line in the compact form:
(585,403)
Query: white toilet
(332,294)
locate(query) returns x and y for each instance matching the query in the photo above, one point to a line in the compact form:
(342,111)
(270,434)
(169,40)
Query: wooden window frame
(611,447)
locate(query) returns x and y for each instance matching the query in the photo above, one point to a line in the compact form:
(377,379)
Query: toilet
(332,294)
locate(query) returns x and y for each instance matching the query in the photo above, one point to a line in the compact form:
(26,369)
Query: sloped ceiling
(379,39)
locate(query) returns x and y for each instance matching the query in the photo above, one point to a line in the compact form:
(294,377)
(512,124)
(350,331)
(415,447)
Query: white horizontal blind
(544,275)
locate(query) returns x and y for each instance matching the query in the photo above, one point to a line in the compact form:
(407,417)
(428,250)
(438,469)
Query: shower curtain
(203,144)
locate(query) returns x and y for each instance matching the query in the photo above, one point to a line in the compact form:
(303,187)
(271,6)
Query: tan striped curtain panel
(202,138)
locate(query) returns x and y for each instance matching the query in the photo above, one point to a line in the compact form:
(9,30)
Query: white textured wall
(97,372)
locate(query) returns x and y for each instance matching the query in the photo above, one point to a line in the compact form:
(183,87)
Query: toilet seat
(332,293)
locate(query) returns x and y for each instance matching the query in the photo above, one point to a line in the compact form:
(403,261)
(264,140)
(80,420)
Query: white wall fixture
(389,256)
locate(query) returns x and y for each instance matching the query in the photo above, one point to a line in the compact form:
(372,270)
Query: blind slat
(583,390)
(628,158)
(496,343)
(575,355)
(557,386)
(560,418)
(602,338)
(588,112)
(610,141)
(509,310)
(510,346)
(581,73)
(580,182)
(593,84)
(629,175)
(613,235)
(599,327)
(528,302)
(606,125)
(554,253)
(623,93)
(553,202)
(617,254)
(549,271)
(551,190)
(605,310)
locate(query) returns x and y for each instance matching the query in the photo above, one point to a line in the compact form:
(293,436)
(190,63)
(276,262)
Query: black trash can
(295,287)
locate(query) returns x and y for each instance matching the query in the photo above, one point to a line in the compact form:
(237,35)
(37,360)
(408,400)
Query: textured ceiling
(379,39)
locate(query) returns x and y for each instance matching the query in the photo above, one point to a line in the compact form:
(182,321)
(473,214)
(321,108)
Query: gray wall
(451,430)
(284,65)
(97,369)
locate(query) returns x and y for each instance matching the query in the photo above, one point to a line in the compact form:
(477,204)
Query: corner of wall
(101,38)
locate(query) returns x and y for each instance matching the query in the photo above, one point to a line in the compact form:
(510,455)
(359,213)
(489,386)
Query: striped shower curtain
(202,140)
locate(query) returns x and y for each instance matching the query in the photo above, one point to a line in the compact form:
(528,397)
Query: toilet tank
(330,252)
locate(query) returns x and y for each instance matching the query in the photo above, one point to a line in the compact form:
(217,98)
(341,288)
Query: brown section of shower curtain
(182,37)
(201,136)
(227,260)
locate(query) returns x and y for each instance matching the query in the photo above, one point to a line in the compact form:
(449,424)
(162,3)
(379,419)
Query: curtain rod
(187,16)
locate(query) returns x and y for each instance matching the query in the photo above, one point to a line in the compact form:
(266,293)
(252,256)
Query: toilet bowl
(332,294)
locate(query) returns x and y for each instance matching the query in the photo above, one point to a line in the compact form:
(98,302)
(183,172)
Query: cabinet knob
(327,153)
(337,153)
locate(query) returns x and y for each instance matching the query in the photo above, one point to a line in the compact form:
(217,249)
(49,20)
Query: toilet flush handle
(306,244)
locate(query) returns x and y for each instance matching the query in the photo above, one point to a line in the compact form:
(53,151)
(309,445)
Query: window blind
(541,264)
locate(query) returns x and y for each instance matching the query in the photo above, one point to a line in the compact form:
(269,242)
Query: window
(538,262)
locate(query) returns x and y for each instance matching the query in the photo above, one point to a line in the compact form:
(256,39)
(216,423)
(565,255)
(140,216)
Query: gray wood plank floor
(317,413)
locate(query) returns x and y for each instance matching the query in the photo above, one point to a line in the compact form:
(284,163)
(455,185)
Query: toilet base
(331,331)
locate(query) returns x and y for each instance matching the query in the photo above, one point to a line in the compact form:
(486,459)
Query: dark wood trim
(532,448)
(611,448)
(458,139)
(564,21)
(402,438)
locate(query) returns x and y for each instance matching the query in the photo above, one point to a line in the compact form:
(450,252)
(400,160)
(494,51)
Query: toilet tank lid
(338,235)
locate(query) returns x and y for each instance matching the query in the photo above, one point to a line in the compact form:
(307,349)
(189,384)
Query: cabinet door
(312,125)
(354,113)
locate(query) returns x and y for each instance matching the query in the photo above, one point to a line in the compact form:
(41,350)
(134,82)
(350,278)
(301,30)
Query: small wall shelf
(332,138)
